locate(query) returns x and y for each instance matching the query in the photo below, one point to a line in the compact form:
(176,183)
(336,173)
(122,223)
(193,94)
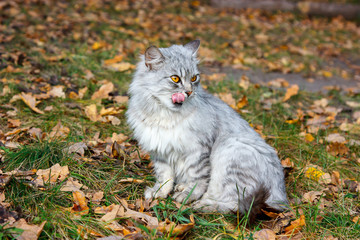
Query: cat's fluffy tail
(251,206)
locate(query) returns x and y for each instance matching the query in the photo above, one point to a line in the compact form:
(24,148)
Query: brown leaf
(29,100)
(91,113)
(335,137)
(72,185)
(121,99)
(79,147)
(336,148)
(291,91)
(121,67)
(311,197)
(119,138)
(59,131)
(52,174)
(131,180)
(57,91)
(36,133)
(242,102)
(295,225)
(80,203)
(104,91)
(264,234)
(14,123)
(31,232)
(97,197)
(228,98)
(287,163)
(176,229)
(110,111)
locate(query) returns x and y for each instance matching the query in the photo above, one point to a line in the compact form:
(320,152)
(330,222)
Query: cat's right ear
(153,58)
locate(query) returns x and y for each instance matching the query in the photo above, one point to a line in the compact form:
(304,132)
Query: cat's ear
(153,58)
(193,46)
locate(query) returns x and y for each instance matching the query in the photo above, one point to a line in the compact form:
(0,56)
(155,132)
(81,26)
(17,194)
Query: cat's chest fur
(167,136)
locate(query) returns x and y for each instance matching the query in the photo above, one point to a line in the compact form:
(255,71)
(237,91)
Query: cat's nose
(188,93)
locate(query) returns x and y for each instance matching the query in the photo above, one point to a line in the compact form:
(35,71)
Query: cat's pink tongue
(178,97)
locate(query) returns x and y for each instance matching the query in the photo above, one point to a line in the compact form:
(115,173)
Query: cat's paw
(155,192)
(203,206)
(180,196)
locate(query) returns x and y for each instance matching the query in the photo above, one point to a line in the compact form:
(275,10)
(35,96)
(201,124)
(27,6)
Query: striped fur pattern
(201,146)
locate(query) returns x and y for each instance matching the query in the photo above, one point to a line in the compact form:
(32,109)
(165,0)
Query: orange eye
(194,78)
(175,78)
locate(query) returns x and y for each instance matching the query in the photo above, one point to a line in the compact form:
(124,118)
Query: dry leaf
(36,133)
(14,123)
(311,196)
(287,163)
(80,204)
(59,131)
(336,148)
(121,67)
(98,45)
(119,138)
(110,111)
(131,180)
(242,102)
(78,147)
(296,225)
(176,230)
(97,197)
(31,232)
(291,91)
(72,185)
(104,91)
(264,234)
(335,137)
(353,104)
(29,100)
(57,91)
(244,82)
(112,214)
(321,103)
(52,174)
(309,137)
(111,119)
(91,113)
(121,99)
(228,98)
(116,59)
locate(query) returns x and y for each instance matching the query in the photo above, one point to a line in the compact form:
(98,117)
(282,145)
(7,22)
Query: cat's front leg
(196,177)
(164,181)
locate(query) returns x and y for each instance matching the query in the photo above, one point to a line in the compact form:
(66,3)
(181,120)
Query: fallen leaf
(119,138)
(244,82)
(97,197)
(110,111)
(353,104)
(36,133)
(116,59)
(112,214)
(356,219)
(104,91)
(242,102)
(291,91)
(14,123)
(79,147)
(91,113)
(336,148)
(131,180)
(311,196)
(287,163)
(80,204)
(228,98)
(98,45)
(111,119)
(59,131)
(31,232)
(72,185)
(52,174)
(264,234)
(335,137)
(121,67)
(57,91)
(321,103)
(29,100)
(176,229)
(121,99)
(309,137)
(296,225)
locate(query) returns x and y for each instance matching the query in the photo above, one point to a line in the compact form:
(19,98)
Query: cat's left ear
(193,46)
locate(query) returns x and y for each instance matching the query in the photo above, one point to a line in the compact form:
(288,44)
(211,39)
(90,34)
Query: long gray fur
(201,144)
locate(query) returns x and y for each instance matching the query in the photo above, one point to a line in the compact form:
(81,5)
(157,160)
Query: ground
(69,167)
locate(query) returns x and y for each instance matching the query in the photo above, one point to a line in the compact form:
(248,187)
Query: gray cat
(199,144)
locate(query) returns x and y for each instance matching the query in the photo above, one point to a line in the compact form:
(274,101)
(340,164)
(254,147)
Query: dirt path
(258,76)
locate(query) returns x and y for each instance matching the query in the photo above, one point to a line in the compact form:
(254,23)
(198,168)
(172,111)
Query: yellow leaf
(327,74)
(116,59)
(291,91)
(309,137)
(242,102)
(31,102)
(91,113)
(104,91)
(227,98)
(80,203)
(98,45)
(295,225)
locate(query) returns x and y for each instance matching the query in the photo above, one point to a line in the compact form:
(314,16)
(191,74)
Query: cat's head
(170,74)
